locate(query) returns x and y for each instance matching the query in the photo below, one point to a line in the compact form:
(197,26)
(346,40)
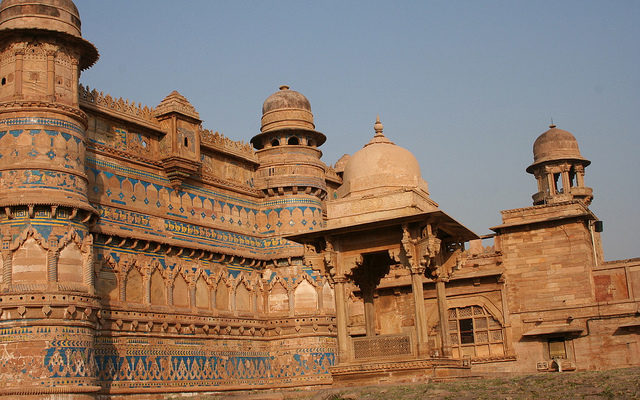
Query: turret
(559,168)
(290,166)
(47,288)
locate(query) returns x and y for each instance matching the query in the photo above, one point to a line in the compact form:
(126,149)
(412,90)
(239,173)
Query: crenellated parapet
(121,108)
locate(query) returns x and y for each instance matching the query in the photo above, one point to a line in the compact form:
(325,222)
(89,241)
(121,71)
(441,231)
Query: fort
(144,254)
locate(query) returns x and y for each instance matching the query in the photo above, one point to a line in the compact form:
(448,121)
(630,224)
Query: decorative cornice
(29,105)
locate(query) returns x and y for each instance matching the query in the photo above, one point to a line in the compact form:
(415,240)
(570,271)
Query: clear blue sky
(467,86)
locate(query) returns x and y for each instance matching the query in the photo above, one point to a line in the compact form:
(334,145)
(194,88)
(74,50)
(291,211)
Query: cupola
(559,168)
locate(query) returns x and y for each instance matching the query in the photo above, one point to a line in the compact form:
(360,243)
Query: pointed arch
(157,287)
(134,290)
(180,290)
(107,280)
(243,294)
(203,292)
(278,296)
(70,258)
(305,296)
(29,259)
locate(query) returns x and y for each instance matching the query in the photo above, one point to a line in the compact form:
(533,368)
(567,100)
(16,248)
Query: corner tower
(47,289)
(559,168)
(290,174)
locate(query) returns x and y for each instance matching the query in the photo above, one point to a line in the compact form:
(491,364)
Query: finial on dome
(378,126)
(284,87)
(552,124)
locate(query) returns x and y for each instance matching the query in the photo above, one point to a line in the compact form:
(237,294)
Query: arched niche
(222,297)
(278,298)
(243,298)
(134,290)
(180,292)
(328,301)
(70,264)
(29,263)
(305,298)
(203,296)
(157,289)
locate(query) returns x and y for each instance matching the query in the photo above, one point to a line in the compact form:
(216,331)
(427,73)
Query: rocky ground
(614,384)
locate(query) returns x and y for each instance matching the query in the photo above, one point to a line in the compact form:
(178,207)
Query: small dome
(287,109)
(555,145)
(54,15)
(285,98)
(381,165)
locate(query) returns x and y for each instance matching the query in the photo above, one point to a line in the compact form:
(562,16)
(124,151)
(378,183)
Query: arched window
(275,142)
(293,141)
(475,333)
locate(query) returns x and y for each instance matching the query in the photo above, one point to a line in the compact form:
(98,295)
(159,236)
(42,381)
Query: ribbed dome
(54,15)
(555,145)
(381,165)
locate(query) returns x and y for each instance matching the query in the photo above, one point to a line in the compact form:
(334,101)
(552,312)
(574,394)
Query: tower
(47,289)
(290,172)
(559,168)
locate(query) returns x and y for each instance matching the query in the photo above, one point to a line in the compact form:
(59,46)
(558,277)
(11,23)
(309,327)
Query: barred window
(475,333)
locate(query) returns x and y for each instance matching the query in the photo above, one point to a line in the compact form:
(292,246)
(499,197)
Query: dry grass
(613,384)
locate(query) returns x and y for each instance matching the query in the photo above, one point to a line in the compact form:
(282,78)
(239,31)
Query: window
(557,348)
(293,141)
(475,333)
(275,142)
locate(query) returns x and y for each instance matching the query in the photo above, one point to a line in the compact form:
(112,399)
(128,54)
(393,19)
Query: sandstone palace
(143,253)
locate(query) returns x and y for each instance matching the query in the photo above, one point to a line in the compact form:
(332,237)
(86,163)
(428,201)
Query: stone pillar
(369,309)
(7,262)
(421,318)
(444,320)
(51,76)
(19,72)
(192,295)
(566,183)
(344,353)
(147,288)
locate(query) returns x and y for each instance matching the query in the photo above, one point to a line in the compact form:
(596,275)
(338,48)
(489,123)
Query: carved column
(88,267)
(52,261)
(341,319)
(170,293)
(75,78)
(7,262)
(51,75)
(19,72)
(369,310)
(421,318)
(192,295)
(147,288)
(444,319)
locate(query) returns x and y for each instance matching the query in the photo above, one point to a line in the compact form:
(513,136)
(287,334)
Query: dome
(287,109)
(54,15)
(381,165)
(285,98)
(555,145)
(55,18)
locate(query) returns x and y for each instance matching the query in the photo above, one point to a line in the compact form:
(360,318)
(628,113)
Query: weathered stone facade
(142,253)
